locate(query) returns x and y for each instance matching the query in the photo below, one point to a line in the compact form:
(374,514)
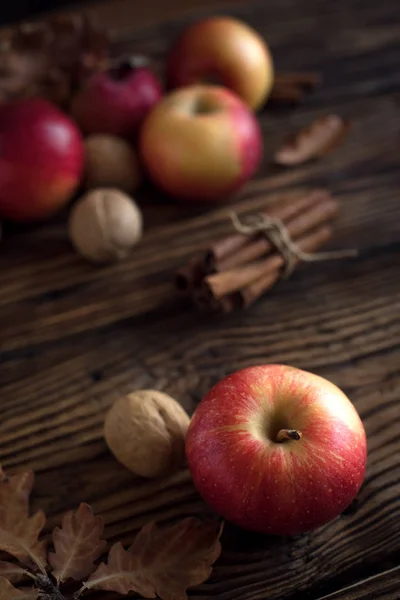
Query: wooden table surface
(74,338)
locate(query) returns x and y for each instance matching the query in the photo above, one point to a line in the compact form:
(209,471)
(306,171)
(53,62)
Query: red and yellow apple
(41,159)
(201,143)
(223,50)
(276,449)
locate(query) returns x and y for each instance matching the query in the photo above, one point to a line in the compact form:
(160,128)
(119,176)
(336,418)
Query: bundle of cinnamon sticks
(237,269)
(291,88)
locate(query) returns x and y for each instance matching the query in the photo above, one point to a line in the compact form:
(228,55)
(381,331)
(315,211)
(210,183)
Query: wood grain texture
(384,586)
(119,15)
(73,338)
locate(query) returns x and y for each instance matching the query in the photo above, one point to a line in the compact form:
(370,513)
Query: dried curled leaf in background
(325,134)
(19,533)
(77,544)
(161,562)
(9,592)
(50,58)
(12,573)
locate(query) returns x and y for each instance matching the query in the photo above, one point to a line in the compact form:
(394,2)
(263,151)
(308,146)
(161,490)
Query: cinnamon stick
(249,294)
(286,93)
(207,303)
(223,249)
(306,80)
(234,279)
(191,275)
(239,268)
(307,243)
(236,249)
(260,245)
(290,88)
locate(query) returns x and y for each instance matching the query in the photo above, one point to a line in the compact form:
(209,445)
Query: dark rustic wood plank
(384,586)
(118,14)
(74,338)
(61,433)
(61,293)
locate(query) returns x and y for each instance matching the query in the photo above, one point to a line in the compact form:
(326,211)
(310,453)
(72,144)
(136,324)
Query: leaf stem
(39,564)
(29,574)
(79,592)
(47,589)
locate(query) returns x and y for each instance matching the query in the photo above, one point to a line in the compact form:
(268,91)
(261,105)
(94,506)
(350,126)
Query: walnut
(146,432)
(110,162)
(104,225)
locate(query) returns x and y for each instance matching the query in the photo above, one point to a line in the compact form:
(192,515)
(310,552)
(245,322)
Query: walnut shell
(146,432)
(110,162)
(104,225)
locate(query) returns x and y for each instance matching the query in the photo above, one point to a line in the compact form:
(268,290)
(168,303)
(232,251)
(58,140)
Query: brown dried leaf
(18,532)
(29,36)
(77,544)
(20,73)
(21,540)
(76,37)
(13,573)
(320,138)
(9,592)
(161,562)
(21,486)
(14,497)
(50,58)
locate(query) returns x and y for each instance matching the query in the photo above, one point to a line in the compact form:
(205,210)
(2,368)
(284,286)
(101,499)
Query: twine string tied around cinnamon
(279,237)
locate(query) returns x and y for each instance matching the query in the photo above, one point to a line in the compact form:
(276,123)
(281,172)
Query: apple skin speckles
(260,484)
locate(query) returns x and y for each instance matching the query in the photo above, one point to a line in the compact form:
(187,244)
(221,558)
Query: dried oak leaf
(77,544)
(79,44)
(11,572)
(50,58)
(14,497)
(314,141)
(161,562)
(22,64)
(9,592)
(18,532)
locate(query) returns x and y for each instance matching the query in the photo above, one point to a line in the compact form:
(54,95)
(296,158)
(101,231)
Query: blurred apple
(41,159)
(117,100)
(201,143)
(226,51)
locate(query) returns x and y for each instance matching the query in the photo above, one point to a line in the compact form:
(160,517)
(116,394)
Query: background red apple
(41,159)
(201,143)
(276,449)
(227,51)
(117,100)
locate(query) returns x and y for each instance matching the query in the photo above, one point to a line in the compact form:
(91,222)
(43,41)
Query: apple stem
(137,61)
(123,66)
(288,434)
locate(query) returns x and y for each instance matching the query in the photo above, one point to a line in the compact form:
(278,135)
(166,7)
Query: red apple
(227,51)
(201,143)
(117,100)
(41,159)
(276,449)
